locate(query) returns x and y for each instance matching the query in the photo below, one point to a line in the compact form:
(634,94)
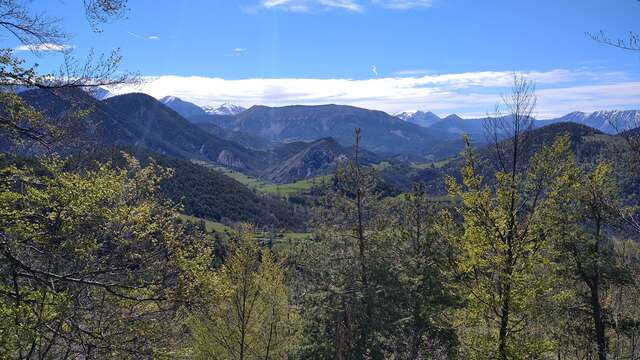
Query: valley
(263,186)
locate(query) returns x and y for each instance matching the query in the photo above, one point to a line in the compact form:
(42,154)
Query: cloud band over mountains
(472,93)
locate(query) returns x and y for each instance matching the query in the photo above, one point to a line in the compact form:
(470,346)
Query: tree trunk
(504,322)
(596,308)
(598,322)
(364,340)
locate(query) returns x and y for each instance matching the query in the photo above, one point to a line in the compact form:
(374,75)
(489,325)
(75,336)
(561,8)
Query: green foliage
(19,122)
(249,315)
(582,219)
(502,251)
(339,267)
(424,295)
(370,284)
(90,262)
(206,194)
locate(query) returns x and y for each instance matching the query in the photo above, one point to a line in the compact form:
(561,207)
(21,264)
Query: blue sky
(442,55)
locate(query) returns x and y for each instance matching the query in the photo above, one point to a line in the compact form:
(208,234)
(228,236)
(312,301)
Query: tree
(630,128)
(498,236)
(580,218)
(18,121)
(90,262)
(344,268)
(422,262)
(373,283)
(624,302)
(248,315)
(631,43)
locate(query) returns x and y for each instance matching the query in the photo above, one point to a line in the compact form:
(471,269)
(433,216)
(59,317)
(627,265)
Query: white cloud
(403,4)
(472,93)
(44,47)
(350,5)
(587,98)
(238,51)
(374,70)
(312,5)
(137,36)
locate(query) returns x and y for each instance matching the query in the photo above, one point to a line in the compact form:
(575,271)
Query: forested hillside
(588,144)
(205,193)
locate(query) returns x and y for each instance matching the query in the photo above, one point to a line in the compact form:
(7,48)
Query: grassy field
(281,241)
(382,165)
(437,164)
(210,226)
(282,190)
(249,181)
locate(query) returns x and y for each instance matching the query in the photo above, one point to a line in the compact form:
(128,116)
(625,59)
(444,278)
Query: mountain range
(279,144)
(187,109)
(610,121)
(589,145)
(282,145)
(382,133)
(140,120)
(224,109)
(421,118)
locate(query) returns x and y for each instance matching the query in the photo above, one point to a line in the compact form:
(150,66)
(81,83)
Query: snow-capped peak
(168,99)
(406,115)
(224,109)
(418,117)
(99,93)
(610,121)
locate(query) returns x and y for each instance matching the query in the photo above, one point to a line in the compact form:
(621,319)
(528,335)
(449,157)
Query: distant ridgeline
(588,144)
(287,144)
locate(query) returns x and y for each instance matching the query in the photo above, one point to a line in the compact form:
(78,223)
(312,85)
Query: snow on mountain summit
(224,109)
(418,117)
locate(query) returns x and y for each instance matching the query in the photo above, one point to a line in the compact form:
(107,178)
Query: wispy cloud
(472,93)
(312,5)
(374,70)
(44,47)
(349,5)
(403,4)
(238,51)
(149,37)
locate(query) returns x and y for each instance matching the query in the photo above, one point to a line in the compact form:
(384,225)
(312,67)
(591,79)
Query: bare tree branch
(632,42)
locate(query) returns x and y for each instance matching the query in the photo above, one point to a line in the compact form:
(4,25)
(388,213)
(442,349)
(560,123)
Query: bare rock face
(316,159)
(227,158)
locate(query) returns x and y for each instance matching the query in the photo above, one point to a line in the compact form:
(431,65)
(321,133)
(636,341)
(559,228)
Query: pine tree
(422,262)
(343,267)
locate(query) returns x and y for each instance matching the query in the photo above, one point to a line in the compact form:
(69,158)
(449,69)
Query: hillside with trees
(129,232)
